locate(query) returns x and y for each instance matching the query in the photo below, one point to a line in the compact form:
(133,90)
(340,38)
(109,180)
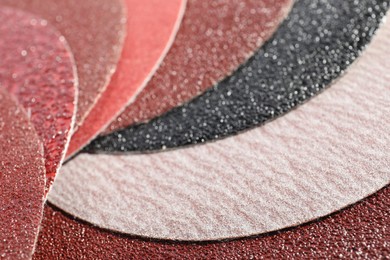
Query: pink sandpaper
(95,31)
(214,39)
(325,155)
(151,28)
(22,180)
(37,66)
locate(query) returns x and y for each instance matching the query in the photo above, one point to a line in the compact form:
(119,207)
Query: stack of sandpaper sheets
(192,129)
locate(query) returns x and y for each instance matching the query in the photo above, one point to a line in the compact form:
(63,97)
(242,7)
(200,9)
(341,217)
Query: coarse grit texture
(313,47)
(37,66)
(214,38)
(361,231)
(315,160)
(22,180)
(150,33)
(95,31)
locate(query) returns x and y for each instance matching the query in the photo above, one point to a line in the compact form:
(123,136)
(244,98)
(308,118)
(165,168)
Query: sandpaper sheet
(95,31)
(214,39)
(22,180)
(151,29)
(315,160)
(37,66)
(358,232)
(316,43)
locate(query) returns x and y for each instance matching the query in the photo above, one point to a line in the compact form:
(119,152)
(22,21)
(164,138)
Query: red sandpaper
(95,30)
(151,28)
(37,66)
(22,180)
(329,153)
(361,231)
(214,39)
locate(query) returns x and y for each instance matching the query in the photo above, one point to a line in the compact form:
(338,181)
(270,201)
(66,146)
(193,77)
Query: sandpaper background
(358,232)
(37,66)
(95,31)
(214,39)
(316,43)
(151,28)
(22,180)
(315,160)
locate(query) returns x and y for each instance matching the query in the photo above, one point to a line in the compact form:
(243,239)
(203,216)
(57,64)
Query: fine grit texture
(316,43)
(37,66)
(321,157)
(22,180)
(151,29)
(95,31)
(361,231)
(215,37)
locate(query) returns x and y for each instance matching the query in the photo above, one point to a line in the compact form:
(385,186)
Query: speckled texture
(22,180)
(95,30)
(361,231)
(317,159)
(151,29)
(37,66)
(214,39)
(319,39)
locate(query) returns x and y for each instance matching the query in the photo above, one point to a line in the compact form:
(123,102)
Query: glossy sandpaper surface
(317,159)
(214,39)
(312,47)
(151,28)
(22,180)
(37,66)
(95,31)
(358,232)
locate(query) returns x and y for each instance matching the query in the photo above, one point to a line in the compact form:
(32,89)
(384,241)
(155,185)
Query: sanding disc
(22,180)
(36,65)
(316,43)
(95,31)
(315,160)
(214,39)
(358,232)
(151,28)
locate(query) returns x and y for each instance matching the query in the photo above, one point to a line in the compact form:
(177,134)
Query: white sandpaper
(327,154)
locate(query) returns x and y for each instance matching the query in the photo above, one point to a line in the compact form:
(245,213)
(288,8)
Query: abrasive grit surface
(151,29)
(22,180)
(95,31)
(37,66)
(317,159)
(361,231)
(214,39)
(316,43)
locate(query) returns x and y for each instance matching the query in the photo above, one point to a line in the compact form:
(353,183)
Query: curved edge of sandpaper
(80,132)
(74,116)
(96,147)
(40,151)
(109,74)
(298,239)
(285,10)
(73,90)
(381,40)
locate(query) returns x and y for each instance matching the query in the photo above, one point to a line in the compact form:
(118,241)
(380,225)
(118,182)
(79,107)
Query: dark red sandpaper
(22,181)
(151,28)
(95,30)
(37,66)
(361,231)
(214,39)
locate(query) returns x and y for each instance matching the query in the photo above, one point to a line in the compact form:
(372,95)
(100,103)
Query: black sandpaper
(314,45)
